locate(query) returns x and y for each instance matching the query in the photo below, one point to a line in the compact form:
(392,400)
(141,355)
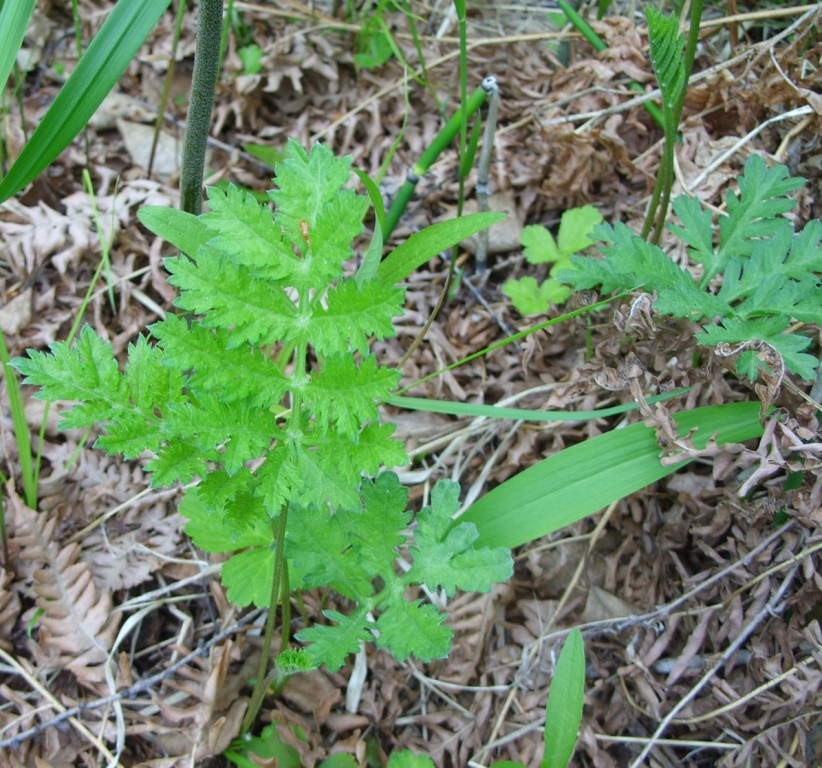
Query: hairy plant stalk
(203,88)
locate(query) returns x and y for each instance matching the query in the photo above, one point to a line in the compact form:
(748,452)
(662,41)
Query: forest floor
(662,583)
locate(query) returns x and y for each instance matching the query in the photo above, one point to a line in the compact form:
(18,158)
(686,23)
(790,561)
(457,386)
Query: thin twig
(128,693)
(80,727)
(771,608)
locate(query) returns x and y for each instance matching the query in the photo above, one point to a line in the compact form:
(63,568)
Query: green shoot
(437,146)
(563,712)
(201,103)
(672,69)
(539,247)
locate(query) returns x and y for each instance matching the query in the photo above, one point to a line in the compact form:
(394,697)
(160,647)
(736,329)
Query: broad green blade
(582,479)
(563,713)
(14,19)
(107,57)
(183,230)
(422,246)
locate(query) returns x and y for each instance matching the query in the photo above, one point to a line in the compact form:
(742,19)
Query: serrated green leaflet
(769,272)
(282,445)
(347,550)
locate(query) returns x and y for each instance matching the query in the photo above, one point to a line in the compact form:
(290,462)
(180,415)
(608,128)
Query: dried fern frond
(9,608)
(77,625)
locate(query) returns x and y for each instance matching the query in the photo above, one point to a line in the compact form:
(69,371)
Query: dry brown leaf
(200,726)
(77,625)
(9,608)
(129,549)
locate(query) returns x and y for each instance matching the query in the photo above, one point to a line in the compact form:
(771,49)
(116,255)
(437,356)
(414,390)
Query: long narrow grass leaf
(107,57)
(21,429)
(582,479)
(502,412)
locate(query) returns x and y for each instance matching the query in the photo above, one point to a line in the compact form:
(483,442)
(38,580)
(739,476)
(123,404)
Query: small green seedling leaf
(251,59)
(407,759)
(269,746)
(563,713)
(539,246)
(575,229)
(531,298)
(377,51)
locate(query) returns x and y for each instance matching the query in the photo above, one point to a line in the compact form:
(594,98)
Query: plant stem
(261,685)
(440,142)
(203,88)
(158,125)
(665,180)
(598,43)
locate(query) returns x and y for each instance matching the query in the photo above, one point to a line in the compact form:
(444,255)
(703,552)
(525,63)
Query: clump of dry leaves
(699,598)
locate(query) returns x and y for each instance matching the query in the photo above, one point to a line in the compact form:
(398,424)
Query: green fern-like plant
(768,271)
(280,448)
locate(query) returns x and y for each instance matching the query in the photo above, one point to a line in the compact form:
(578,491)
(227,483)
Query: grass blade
(423,246)
(563,713)
(14,19)
(28,469)
(110,52)
(503,412)
(587,477)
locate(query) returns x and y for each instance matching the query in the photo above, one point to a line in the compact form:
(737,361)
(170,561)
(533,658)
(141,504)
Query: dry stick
(745,698)
(483,167)
(15,741)
(80,727)
(771,608)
